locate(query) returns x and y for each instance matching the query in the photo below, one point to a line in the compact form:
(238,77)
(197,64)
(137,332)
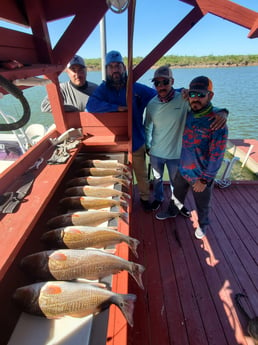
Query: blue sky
(211,36)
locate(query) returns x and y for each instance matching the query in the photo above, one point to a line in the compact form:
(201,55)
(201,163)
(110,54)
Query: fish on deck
(97,191)
(91,218)
(88,202)
(70,264)
(58,299)
(80,237)
(103,172)
(104,181)
(98,163)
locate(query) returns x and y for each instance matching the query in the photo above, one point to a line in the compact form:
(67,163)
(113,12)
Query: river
(235,88)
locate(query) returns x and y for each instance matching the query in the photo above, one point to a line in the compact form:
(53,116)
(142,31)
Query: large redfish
(70,264)
(57,299)
(104,181)
(91,218)
(103,172)
(97,191)
(98,163)
(80,237)
(89,202)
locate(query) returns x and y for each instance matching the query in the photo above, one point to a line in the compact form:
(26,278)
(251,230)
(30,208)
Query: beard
(117,79)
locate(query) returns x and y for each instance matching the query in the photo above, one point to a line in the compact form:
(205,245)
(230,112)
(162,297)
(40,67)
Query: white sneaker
(200,233)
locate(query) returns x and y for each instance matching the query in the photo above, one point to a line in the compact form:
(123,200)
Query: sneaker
(146,205)
(185,212)
(156,205)
(171,212)
(200,233)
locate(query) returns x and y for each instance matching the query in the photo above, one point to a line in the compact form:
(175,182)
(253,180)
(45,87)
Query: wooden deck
(190,284)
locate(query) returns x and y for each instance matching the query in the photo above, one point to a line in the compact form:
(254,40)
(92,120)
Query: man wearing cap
(110,96)
(202,153)
(164,126)
(77,90)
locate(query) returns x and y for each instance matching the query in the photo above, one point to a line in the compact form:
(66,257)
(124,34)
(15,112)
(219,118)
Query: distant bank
(190,61)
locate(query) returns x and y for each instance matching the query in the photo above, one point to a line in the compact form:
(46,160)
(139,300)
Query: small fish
(55,299)
(80,237)
(103,181)
(92,218)
(103,172)
(70,264)
(100,192)
(89,202)
(97,163)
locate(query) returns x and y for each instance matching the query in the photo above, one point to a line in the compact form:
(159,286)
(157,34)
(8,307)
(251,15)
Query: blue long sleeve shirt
(203,148)
(108,99)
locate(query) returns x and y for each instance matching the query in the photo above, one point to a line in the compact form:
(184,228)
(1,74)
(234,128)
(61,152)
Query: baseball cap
(113,56)
(201,83)
(163,72)
(76,60)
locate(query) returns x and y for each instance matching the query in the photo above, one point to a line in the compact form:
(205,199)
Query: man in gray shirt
(77,90)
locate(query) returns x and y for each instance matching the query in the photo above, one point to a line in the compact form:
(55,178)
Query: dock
(247,151)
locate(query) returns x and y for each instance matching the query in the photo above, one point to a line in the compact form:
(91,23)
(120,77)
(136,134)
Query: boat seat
(35,132)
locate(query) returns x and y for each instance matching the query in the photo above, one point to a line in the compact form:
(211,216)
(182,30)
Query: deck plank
(190,284)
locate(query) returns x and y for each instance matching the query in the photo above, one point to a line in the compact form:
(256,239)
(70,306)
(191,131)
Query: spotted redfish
(91,218)
(103,181)
(89,202)
(103,172)
(98,163)
(70,264)
(97,191)
(55,299)
(80,237)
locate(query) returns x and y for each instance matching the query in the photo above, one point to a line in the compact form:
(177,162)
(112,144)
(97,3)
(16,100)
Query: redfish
(97,163)
(100,192)
(79,237)
(89,202)
(91,218)
(70,264)
(58,298)
(103,172)
(103,181)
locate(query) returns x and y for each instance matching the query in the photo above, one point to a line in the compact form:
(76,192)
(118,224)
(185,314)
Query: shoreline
(217,65)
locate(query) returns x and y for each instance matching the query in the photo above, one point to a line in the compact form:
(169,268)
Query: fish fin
(58,256)
(124,216)
(127,307)
(136,273)
(133,244)
(74,231)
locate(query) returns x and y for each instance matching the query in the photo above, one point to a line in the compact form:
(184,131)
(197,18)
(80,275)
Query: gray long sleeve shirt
(75,98)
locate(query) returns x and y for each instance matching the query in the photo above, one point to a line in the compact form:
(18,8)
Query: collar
(168,97)
(203,111)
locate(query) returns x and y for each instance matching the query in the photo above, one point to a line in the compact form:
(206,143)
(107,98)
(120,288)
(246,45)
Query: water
(235,88)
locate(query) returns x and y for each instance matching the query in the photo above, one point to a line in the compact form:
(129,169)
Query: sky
(210,36)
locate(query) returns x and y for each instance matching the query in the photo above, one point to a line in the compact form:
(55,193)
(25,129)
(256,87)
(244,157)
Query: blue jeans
(158,165)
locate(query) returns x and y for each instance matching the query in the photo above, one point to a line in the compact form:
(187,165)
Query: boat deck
(190,284)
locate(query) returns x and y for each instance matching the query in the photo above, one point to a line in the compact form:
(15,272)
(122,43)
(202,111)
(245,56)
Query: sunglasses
(161,82)
(193,94)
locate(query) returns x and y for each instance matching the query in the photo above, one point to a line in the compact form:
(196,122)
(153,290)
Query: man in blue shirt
(110,96)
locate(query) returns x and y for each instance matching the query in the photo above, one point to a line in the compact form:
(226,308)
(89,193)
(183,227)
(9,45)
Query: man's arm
(219,119)
(97,102)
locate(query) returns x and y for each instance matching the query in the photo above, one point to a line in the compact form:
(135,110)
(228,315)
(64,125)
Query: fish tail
(127,307)
(137,271)
(124,203)
(124,182)
(124,217)
(133,244)
(126,196)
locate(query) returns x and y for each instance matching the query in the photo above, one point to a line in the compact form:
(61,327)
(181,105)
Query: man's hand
(198,186)
(122,108)
(220,120)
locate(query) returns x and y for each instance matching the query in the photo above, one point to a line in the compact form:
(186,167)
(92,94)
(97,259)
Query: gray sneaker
(171,212)
(200,233)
